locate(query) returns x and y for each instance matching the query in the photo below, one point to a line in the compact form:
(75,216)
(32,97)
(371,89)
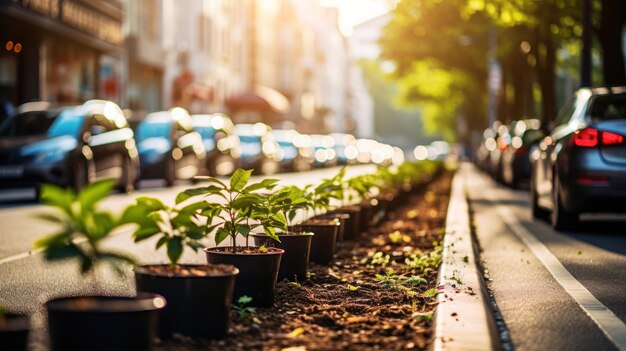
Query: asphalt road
(551,290)
(26,280)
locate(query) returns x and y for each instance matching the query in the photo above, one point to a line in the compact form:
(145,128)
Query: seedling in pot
(76,322)
(82,227)
(178,226)
(241,208)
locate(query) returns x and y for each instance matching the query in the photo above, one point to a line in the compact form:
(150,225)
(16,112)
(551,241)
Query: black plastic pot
(324,240)
(343,219)
(197,305)
(351,230)
(366,216)
(293,264)
(14,330)
(257,272)
(103,322)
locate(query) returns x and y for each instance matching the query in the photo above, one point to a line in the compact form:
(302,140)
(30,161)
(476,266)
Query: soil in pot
(14,330)
(343,221)
(297,246)
(258,271)
(351,230)
(103,322)
(198,298)
(324,240)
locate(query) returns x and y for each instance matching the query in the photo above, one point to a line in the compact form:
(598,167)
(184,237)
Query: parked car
(221,143)
(67,146)
(294,158)
(581,165)
(515,159)
(503,141)
(325,155)
(169,148)
(487,144)
(259,149)
(342,141)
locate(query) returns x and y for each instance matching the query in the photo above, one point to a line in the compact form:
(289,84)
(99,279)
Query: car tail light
(586,137)
(590,137)
(609,138)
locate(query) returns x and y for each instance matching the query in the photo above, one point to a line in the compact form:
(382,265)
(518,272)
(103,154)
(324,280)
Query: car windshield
(30,123)
(69,122)
(152,130)
(250,139)
(206,132)
(608,107)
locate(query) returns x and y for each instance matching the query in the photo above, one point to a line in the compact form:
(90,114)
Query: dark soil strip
(377,295)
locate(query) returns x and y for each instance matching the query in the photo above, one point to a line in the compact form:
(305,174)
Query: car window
(30,123)
(567,111)
(608,107)
(152,130)
(206,132)
(70,122)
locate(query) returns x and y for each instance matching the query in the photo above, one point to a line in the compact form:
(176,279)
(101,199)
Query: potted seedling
(93,322)
(279,210)
(362,190)
(235,206)
(14,329)
(326,229)
(198,295)
(335,188)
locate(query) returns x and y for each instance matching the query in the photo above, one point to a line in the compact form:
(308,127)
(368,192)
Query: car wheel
(170,173)
(128,181)
(537,211)
(82,174)
(559,218)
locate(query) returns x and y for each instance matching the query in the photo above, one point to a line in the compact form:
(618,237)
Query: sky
(353,12)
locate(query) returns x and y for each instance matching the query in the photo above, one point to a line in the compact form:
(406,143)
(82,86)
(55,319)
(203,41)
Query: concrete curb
(464,319)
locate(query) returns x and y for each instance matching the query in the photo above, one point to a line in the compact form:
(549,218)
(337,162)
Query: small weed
(242,310)
(432,292)
(416,280)
(389,279)
(456,277)
(423,316)
(465,259)
(395,237)
(262,249)
(351,287)
(380,259)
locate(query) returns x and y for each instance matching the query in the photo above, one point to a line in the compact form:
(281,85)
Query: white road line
(607,321)
(20,256)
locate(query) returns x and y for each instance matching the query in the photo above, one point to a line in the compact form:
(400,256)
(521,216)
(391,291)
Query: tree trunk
(613,17)
(546,74)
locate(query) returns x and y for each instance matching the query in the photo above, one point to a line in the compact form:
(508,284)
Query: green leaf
(195,245)
(212,180)
(239,179)
(137,214)
(162,241)
(243,229)
(175,249)
(62,251)
(143,233)
(93,193)
(49,217)
(245,299)
(101,224)
(431,292)
(269,231)
(267,183)
(245,201)
(196,234)
(206,190)
(182,219)
(151,203)
(55,239)
(221,235)
(57,197)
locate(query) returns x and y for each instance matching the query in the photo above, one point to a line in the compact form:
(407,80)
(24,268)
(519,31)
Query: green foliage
(320,196)
(178,226)
(425,263)
(389,279)
(241,309)
(432,292)
(82,227)
(351,287)
(242,207)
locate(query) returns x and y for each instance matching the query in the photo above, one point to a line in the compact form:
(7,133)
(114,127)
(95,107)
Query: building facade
(61,51)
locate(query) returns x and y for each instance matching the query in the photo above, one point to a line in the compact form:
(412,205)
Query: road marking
(20,256)
(605,319)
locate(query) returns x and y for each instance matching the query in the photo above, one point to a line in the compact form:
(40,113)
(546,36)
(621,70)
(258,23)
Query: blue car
(169,148)
(67,146)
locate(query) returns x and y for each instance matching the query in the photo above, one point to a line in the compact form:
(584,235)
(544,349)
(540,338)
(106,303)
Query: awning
(261,99)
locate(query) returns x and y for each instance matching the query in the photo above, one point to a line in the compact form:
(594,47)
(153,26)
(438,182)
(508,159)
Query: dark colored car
(259,150)
(581,165)
(68,146)
(221,143)
(515,161)
(293,156)
(169,148)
